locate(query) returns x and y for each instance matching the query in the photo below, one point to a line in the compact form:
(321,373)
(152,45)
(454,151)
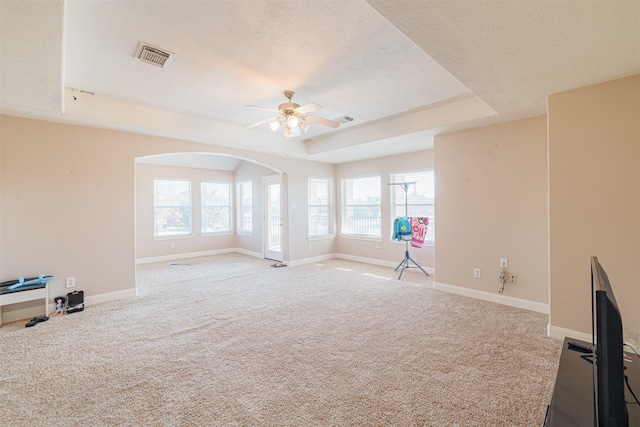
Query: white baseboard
(381,262)
(110,296)
(310,260)
(24,313)
(500,299)
(560,333)
(174,257)
(30,312)
(182,256)
(248,252)
(384,263)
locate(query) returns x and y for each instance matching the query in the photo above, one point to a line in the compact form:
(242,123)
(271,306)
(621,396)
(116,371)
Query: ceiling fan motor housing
(288,108)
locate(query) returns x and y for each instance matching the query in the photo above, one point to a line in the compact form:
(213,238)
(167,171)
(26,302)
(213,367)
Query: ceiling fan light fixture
(294,117)
(275,125)
(292,121)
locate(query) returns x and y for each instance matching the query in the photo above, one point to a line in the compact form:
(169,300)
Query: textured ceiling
(405,70)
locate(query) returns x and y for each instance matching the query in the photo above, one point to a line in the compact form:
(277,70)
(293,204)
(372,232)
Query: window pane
(172,193)
(215,219)
(361,206)
(245,207)
(419,197)
(216,207)
(319,223)
(172,207)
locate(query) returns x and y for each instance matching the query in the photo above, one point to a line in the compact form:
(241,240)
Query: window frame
(240,208)
(329,208)
(430,237)
(156,206)
(228,206)
(345,206)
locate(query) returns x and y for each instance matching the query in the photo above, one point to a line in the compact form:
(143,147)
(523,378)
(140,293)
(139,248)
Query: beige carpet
(228,340)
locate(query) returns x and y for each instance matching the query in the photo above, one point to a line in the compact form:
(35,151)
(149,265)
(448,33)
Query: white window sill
(219,233)
(323,237)
(174,237)
(356,237)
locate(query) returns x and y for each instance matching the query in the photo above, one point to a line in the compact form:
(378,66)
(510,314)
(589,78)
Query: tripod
(405,261)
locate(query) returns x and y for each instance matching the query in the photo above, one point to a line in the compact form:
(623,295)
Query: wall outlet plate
(504,262)
(70,282)
(477,273)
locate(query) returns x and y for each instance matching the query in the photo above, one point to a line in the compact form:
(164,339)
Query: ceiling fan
(294,117)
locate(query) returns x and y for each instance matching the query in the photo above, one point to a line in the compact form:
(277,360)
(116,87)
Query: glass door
(272,218)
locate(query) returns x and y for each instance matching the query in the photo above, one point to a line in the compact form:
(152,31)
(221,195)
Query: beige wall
(1,235)
(298,217)
(67,206)
(253,242)
(594,172)
(391,251)
(68,196)
(491,203)
(67,203)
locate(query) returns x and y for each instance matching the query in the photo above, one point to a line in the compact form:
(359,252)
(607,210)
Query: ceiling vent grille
(345,119)
(154,55)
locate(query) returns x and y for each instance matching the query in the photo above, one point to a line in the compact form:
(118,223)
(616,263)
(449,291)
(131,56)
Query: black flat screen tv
(610,408)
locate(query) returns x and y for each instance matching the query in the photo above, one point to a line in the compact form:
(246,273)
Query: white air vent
(345,119)
(154,55)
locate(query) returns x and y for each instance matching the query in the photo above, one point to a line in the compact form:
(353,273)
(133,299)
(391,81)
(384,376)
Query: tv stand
(572,400)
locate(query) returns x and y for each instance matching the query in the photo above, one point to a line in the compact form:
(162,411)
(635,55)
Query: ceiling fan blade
(263,108)
(308,108)
(321,121)
(270,119)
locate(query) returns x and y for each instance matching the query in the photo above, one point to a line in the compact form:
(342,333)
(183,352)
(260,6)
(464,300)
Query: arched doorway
(246,235)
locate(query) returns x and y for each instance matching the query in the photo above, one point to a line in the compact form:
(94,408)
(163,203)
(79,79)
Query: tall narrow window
(245,207)
(361,206)
(419,197)
(319,207)
(216,207)
(171,207)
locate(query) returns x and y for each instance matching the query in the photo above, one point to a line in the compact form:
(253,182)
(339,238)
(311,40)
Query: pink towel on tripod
(418,230)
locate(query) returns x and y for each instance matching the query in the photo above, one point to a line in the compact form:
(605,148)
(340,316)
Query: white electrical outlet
(504,263)
(513,279)
(70,282)
(477,273)
(378,248)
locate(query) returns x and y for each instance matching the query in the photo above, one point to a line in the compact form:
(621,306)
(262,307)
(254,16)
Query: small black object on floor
(35,321)
(75,302)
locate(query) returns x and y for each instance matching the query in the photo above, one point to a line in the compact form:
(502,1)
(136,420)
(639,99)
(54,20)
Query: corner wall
(147,246)
(253,242)
(594,195)
(391,252)
(491,203)
(68,198)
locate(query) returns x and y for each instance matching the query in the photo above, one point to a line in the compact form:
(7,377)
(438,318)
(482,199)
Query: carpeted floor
(228,340)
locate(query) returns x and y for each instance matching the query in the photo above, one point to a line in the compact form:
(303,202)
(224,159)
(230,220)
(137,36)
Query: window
(171,207)
(216,207)
(361,206)
(420,197)
(319,207)
(245,207)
